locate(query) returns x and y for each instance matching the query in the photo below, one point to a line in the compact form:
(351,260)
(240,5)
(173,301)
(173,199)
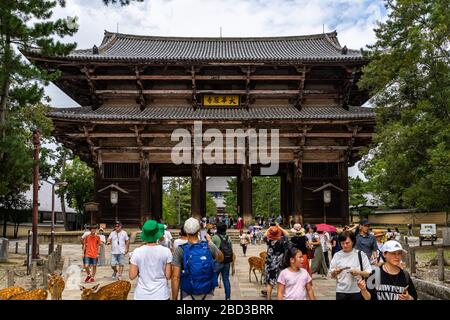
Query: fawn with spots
(255,263)
(56,286)
(263,255)
(9,292)
(117,290)
(36,294)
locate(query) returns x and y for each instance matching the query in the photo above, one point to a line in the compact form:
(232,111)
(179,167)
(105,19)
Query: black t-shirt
(300,243)
(391,286)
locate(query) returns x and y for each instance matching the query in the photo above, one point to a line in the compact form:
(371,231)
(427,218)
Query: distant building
(216,187)
(45,205)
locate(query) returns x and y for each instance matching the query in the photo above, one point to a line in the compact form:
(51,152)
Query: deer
(56,286)
(255,263)
(263,255)
(36,294)
(7,293)
(117,290)
(232,271)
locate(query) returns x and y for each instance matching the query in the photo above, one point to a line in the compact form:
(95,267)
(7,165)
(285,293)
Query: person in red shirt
(91,246)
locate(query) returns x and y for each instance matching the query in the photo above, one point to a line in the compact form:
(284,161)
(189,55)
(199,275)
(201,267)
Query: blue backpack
(197,276)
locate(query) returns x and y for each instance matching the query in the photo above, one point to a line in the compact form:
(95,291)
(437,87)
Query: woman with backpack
(223,242)
(299,241)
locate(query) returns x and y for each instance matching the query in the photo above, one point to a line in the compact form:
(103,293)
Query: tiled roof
(320,47)
(188,113)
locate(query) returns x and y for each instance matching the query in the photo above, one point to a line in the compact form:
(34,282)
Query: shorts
(117,259)
(90,261)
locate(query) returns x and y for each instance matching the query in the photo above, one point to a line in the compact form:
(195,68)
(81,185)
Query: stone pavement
(241,288)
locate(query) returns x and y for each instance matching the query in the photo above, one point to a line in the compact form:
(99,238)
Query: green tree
(357,188)
(211,209)
(265,198)
(409,76)
(177,199)
(25,26)
(16,208)
(230,197)
(80,185)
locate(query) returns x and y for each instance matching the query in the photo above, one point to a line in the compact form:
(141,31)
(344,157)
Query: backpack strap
(360,260)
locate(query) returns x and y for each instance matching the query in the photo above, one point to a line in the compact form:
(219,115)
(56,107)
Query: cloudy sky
(354,21)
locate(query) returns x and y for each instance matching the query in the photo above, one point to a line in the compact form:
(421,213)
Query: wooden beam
(141,101)
(91,144)
(96,99)
(125,92)
(186,77)
(168,135)
(301,86)
(348,87)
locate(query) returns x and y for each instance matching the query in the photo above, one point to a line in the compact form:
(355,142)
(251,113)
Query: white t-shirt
(102,238)
(118,245)
(85,234)
(151,262)
(179,242)
(168,239)
(345,282)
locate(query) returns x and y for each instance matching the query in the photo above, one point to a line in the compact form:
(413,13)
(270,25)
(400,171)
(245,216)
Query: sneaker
(114,275)
(91,280)
(87,279)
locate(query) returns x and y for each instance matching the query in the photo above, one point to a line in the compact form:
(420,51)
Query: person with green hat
(151,264)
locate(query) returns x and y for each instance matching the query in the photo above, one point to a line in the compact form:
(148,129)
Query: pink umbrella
(326,227)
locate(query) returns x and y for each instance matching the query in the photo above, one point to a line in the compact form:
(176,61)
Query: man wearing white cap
(193,264)
(390,281)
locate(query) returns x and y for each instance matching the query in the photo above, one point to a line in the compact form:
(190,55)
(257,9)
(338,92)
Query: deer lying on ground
(7,293)
(255,263)
(56,286)
(232,271)
(117,290)
(36,294)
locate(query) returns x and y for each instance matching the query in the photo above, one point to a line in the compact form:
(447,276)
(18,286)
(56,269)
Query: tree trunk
(62,197)
(5,86)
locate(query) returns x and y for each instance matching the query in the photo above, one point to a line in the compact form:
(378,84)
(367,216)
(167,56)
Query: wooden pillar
(289,190)
(246,179)
(239,195)
(298,192)
(203,195)
(196,191)
(145,192)
(343,196)
(283,198)
(155,200)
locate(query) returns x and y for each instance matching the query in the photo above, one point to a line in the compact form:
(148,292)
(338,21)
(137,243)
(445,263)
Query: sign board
(91,206)
(427,229)
(214,100)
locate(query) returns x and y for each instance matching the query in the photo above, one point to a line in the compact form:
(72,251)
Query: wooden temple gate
(134,91)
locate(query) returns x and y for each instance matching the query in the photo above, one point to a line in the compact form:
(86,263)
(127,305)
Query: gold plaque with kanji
(214,100)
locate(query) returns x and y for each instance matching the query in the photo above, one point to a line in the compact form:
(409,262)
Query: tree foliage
(25,26)
(265,196)
(177,198)
(80,184)
(409,76)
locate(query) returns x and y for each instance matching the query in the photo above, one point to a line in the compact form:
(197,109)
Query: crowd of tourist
(366,264)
